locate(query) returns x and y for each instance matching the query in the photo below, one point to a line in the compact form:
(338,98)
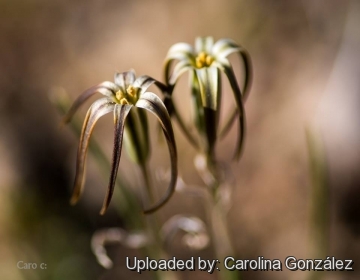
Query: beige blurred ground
(306,73)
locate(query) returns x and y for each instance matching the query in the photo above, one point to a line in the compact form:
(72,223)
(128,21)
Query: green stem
(228,123)
(155,248)
(147,180)
(185,129)
(319,201)
(218,219)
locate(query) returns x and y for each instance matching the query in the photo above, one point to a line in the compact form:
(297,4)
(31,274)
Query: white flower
(204,63)
(126,93)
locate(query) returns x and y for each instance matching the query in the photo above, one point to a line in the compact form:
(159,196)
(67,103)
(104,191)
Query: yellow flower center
(132,91)
(203,60)
(129,97)
(123,101)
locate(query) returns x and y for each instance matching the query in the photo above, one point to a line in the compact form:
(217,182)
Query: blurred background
(306,74)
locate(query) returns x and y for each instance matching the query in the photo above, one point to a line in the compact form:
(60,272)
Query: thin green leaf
(97,110)
(208,79)
(228,122)
(179,69)
(151,102)
(206,119)
(226,67)
(174,112)
(210,120)
(120,113)
(137,142)
(182,125)
(167,67)
(196,101)
(145,127)
(106,88)
(180,51)
(225,47)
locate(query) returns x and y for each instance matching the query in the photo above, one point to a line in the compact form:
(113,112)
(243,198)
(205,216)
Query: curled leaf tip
(238,154)
(106,202)
(160,204)
(120,114)
(103,210)
(152,103)
(75,198)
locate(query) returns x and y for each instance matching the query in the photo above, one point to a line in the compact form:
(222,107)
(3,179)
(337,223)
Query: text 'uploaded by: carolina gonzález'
(230,263)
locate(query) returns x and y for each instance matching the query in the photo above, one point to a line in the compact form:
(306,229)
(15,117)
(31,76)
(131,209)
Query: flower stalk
(127,203)
(216,207)
(205,63)
(128,99)
(319,200)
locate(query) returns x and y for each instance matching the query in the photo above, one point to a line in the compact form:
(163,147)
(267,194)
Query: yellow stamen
(123,101)
(209,60)
(132,94)
(202,56)
(203,60)
(131,91)
(119,95)
(198,63)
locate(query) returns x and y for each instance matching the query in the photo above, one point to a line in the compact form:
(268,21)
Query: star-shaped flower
(120,97)
(204,63)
